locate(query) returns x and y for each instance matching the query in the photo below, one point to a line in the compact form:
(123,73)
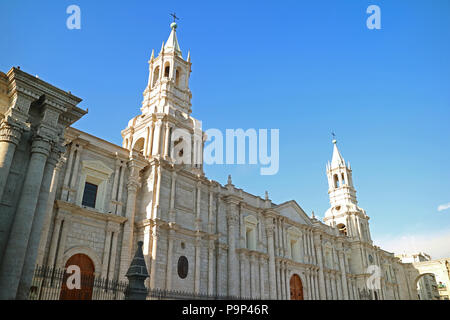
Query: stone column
(197,264)
(15,251)
(155,234)
(65,227)
(49,214)
(339,287)
(10,134)
(261,277)
(287,286)
(157,138)
(172,217)
(278,280)
(128,228)
(166,140)
(333,285)
(318,246)
(66,187)
(112,267)
(115,187)
(270,249)
(343,274)
(198,219)
(120,191)
(37,226)
(211,267)
(313,284)
(72,195)
(242,273)
(316,285)
(232,261)
(169,260)
(308,284)
(51,260)
(150,140)
(283,280)
(253,277)
(106,251)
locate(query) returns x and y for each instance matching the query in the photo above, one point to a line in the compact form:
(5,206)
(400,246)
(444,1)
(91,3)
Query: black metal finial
(174,16)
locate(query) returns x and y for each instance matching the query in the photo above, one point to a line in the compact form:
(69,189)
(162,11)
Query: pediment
(293,211)
(97,166)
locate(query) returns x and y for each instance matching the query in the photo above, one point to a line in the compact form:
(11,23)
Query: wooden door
(87,279)
(296,287)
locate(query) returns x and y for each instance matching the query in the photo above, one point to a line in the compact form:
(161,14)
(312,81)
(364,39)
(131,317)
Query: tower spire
(172,43)
(337,159)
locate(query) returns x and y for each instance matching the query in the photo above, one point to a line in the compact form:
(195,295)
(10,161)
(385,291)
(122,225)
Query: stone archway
(87,269)
(421,291)
(296,287)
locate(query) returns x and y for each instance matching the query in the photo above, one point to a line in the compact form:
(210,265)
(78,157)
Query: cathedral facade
(201,236)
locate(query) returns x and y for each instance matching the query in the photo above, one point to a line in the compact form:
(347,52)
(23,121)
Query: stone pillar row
(15,252)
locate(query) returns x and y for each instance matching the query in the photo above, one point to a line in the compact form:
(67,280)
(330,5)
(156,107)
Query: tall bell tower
(344,212)
(166,107)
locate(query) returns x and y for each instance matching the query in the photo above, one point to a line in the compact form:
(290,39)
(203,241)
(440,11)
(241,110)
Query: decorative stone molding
(10,131)
(41,145)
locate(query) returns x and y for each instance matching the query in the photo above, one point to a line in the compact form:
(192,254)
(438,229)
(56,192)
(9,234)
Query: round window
(370,258)
(183,267)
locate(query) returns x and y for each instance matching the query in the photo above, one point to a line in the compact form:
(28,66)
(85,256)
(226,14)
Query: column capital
(10,131)
(133,184)
(158,122)
(41,145)
(232,218)
(269,225)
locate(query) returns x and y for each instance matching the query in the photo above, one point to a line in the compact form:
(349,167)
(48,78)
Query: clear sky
(304,67)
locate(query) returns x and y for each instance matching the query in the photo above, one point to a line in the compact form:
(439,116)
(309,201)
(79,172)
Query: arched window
(183,267)
(167,70)
(342,228)
(250,232)
(336,181)
(139,145)
(155,76)
(343,179)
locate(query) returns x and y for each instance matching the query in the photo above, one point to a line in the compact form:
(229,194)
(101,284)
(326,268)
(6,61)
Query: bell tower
(167,88)
(166,107)
(344,212)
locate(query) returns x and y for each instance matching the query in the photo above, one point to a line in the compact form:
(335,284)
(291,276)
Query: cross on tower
(334,135)
(174,16)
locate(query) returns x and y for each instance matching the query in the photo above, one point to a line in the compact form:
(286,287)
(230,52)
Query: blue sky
(304,67)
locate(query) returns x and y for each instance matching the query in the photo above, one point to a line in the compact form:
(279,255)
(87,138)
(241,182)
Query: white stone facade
(235,243)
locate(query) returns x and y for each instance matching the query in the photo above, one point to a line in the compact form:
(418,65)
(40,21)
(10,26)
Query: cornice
(90,213)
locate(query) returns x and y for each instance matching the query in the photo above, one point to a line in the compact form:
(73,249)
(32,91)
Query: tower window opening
(167,71)
(336,181)
(343,179)
(342,228)
(155,76)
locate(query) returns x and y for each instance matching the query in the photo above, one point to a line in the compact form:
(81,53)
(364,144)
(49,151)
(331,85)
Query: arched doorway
(87,279)
(427,287)
(296,287)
